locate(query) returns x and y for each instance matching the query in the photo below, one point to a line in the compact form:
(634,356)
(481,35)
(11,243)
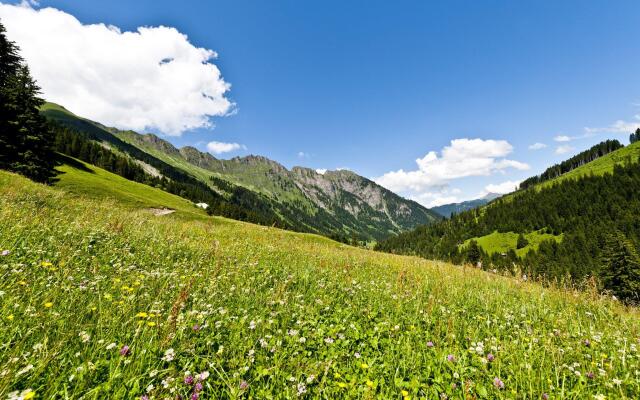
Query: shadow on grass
(73,163)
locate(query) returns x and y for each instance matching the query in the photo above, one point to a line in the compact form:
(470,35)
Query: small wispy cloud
(563,149)
(619,126)
(537,146)
(222,147)
(302,154)
(321,171)
(562,138)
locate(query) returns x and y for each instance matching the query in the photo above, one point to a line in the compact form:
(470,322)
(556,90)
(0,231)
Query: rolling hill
(340,204)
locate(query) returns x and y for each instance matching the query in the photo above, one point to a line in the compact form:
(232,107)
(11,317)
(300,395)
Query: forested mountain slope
(340,204)
(594,212)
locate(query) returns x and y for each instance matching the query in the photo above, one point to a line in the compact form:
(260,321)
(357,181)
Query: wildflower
(303,339)
(203,375)
(5,253)
(252,325)
(124,351)
(144,396)
(587,342)
(497,382)
(590,375)
(600,397)
(310,378)
(10,317)
(46,264)
(244,385)
(111,346)
(404,393)
(429,344)
(195,396)
(151,323)
(150,388)
(490,357)
(451,358)
(188,380)
(48,304)
(369,383)
(84,336)
(25,370)
(169,355)
(142,315)
(357,355)
(302,389)
(342,385)
(196,327)
(617,381)
(198,387)
(545,396)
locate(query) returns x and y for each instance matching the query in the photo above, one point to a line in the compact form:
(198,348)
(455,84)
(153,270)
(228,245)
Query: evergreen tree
(621,268)
(522,242)
(473,253)
(634,137)
(25,139)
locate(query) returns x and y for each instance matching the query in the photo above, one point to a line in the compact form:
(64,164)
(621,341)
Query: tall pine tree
(25,139)
(621,268)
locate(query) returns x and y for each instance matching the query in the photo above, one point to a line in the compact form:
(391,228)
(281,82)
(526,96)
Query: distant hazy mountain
(336,203)
(446,210)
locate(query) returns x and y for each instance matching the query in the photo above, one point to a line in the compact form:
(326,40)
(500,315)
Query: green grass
(502,242)
(90,181)
(87,275)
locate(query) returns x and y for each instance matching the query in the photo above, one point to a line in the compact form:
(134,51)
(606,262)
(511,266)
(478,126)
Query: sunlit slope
(80,178)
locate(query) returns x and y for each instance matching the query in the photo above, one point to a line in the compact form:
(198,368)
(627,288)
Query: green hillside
(100,299)
(503,242)
(591,210)
(602,165)
(81,178)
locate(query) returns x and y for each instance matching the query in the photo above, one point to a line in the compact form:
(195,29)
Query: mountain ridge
(337,203)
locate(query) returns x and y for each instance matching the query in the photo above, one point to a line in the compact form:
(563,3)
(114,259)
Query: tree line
(574,162)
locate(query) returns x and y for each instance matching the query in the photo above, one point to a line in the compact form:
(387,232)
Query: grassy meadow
(502,242)
(101,299)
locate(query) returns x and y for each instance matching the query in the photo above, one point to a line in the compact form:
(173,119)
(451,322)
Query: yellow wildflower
(364,366)
(10,317)
(29,395)
(369,383)
(342,384)
(46,264)
(48,304)
(404,393)
(142,314)
(151,323)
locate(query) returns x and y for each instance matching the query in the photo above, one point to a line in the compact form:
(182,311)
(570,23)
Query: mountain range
(447,210)
(340,204)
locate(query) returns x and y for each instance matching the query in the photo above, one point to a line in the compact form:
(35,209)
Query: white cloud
(501,188)
(563,149)
(302,154)
(321,171)
(537,146)
(619,126)
(462,158)
(151,78)
(221,147)
(562,138)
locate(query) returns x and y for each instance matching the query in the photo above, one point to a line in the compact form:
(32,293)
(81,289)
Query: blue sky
(372,86)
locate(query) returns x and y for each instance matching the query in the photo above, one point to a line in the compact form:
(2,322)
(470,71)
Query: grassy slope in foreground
(86,277)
